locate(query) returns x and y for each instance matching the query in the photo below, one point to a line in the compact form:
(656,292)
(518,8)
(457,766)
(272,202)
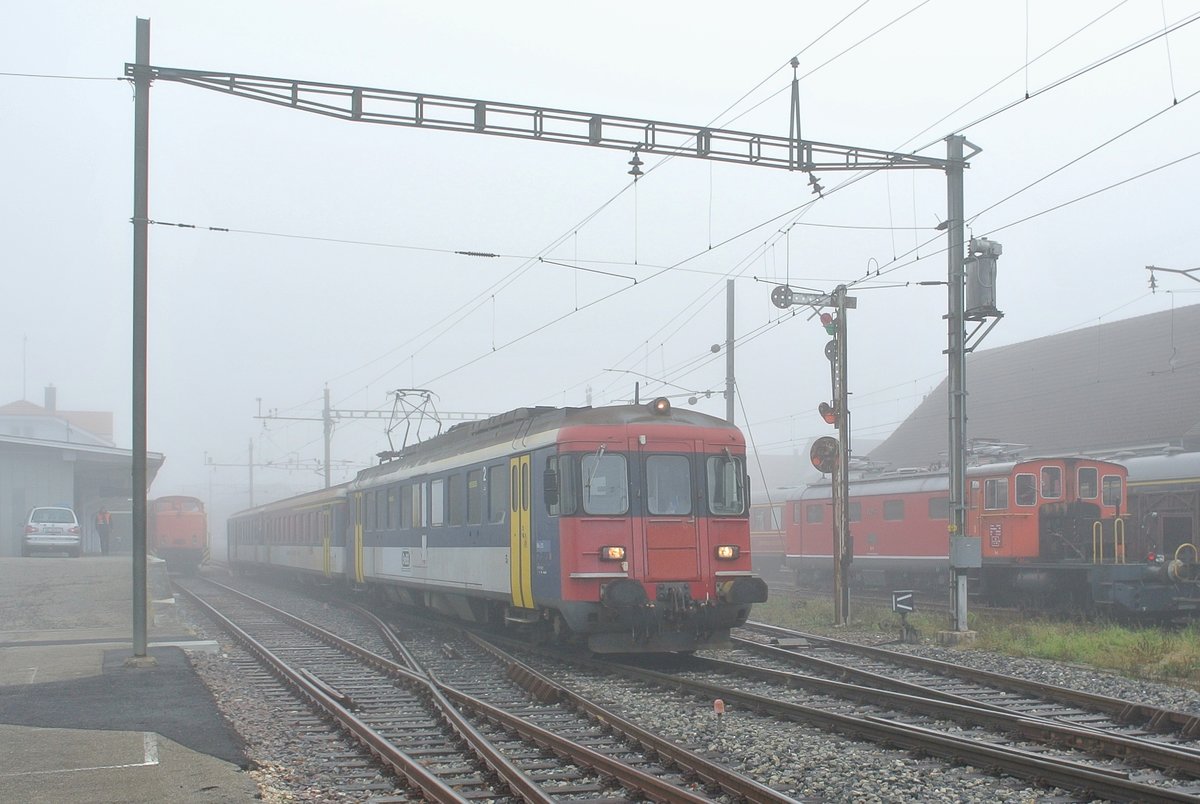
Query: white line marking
(149,747)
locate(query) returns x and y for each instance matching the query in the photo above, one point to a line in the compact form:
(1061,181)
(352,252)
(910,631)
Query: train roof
(524,424)
(1160,468)
(918,480)
(884,484)
(300,500)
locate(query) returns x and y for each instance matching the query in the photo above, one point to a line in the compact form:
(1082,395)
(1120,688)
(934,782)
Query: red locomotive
(1053,534)
(178,532)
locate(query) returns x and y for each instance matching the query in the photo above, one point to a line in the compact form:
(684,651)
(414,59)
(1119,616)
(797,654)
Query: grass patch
(1156,653)
(1163,654)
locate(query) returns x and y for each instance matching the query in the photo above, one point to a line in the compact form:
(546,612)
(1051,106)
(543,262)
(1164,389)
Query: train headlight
(661,406)
(728,552)
(612,553)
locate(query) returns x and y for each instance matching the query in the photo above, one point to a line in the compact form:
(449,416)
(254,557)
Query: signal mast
(831,455)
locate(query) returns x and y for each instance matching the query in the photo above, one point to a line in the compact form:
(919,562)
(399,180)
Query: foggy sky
(277,309)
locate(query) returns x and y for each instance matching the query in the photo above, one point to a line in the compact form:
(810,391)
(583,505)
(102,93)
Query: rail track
(1075,754)
(460,720)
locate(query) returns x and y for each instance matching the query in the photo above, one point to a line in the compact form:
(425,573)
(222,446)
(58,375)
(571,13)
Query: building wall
(31,477)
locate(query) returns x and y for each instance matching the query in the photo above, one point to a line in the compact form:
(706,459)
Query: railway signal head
(829,413)
(829,322)
(824,454)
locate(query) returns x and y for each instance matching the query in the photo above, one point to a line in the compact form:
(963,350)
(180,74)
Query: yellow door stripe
(520,559)
(358,537)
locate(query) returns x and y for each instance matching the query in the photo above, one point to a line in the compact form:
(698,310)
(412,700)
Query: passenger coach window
(381,511)
(1112,490)
(855,512)
(893,510)
(1087,482)
(454,491)
(1051,482)
(370,510)
(939,507)
(605,484)
(814,514)
(995,494)
(475,497)
(1026,489)
(420,505)
(725,491)
(497,488)
(668,485)
(406,507)
(437,503)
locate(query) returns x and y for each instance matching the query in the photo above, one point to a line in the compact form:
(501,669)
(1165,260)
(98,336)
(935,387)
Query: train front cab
(653,523)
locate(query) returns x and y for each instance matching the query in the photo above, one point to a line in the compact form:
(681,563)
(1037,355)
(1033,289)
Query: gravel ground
(807,763)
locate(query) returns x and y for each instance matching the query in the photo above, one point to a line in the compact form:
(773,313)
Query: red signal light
(828,413)
(824,454)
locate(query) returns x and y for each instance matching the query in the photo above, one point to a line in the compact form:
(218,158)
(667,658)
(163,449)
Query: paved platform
(80,724)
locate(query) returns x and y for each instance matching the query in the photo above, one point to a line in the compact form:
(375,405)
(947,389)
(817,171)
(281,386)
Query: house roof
(96,422)
(1128,385)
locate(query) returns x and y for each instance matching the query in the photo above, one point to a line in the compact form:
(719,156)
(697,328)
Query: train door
(671,525)
(323,522)
(520,560)
(358,537)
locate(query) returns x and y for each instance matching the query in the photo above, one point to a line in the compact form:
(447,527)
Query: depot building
(65,458)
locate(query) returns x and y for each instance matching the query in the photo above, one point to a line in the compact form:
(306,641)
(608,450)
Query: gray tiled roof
(1124,385)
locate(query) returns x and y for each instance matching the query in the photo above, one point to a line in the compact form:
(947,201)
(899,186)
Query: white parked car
(52,529)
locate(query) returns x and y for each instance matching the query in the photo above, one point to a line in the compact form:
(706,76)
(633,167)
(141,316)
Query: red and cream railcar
(626,526)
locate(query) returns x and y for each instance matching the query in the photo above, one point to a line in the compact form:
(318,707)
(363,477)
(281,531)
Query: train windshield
(668,485)
(726,490)
(605,484)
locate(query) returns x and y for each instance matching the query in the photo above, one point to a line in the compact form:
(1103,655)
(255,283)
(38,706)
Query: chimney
(51,394)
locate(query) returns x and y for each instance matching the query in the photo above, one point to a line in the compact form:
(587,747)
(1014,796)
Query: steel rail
(1151,717)
(520,783)
(915,698)
(1024,764)
(1067,774)
(732,782)
(548,691)
(430,785)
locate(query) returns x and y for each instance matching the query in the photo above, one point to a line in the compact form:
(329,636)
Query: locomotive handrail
(1118,541)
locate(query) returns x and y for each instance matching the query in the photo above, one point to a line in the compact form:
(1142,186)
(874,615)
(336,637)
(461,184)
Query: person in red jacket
(103,528)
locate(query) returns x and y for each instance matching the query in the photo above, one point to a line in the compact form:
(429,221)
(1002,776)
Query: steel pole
(957,359)
(141,222)
(845,546)
(327,416)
